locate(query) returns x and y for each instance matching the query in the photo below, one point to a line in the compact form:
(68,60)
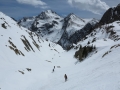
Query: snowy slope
(110,32)
(99,71)
(95,73)
(13,72)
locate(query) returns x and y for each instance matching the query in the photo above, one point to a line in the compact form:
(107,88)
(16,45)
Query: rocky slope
(74,35)
(111,15)
(19,41)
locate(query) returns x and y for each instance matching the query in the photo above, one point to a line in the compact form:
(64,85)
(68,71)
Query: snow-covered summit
(48,24)
(48,14)
(45,15)
(73,22)
(73,17)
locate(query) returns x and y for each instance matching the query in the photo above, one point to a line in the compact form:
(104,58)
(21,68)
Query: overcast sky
(83,8)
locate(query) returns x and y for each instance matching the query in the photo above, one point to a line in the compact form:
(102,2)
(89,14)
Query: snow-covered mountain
(53,27)
(72,23)
(73,35)
(27,61)
(47,24)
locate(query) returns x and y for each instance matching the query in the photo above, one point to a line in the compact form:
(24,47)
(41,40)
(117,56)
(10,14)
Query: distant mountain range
(68,30)
(64,31)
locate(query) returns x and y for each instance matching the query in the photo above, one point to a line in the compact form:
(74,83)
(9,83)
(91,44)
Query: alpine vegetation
(83,52)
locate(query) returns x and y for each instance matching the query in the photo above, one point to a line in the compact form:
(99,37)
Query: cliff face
(67,40)
(111,15)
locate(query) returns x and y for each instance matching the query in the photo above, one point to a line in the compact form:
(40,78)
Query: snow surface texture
(33,71)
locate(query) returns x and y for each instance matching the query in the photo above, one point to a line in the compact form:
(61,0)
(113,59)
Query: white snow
(94,73)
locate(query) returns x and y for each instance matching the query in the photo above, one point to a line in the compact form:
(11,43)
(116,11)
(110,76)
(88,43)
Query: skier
(53,70)
(65,76)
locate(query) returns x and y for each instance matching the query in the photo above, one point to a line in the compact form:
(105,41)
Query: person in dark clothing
(65,76)
(53,70)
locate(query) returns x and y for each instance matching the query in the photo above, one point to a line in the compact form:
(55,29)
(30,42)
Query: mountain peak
(73,17)
(49,11)
(118,5)
(111,15)
(71,14)
(47,14)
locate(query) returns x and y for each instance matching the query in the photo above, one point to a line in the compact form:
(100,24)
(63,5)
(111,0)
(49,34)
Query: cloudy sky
(83,8)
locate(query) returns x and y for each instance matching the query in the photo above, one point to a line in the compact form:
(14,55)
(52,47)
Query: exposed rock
(111,15)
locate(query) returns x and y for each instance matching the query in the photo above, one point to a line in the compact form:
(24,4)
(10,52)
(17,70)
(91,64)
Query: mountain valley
(36,52)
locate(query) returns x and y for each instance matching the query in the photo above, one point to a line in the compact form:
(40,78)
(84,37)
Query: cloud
(94,6)
(36,3)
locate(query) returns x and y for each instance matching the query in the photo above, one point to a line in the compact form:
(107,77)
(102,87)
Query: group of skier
(65,76)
